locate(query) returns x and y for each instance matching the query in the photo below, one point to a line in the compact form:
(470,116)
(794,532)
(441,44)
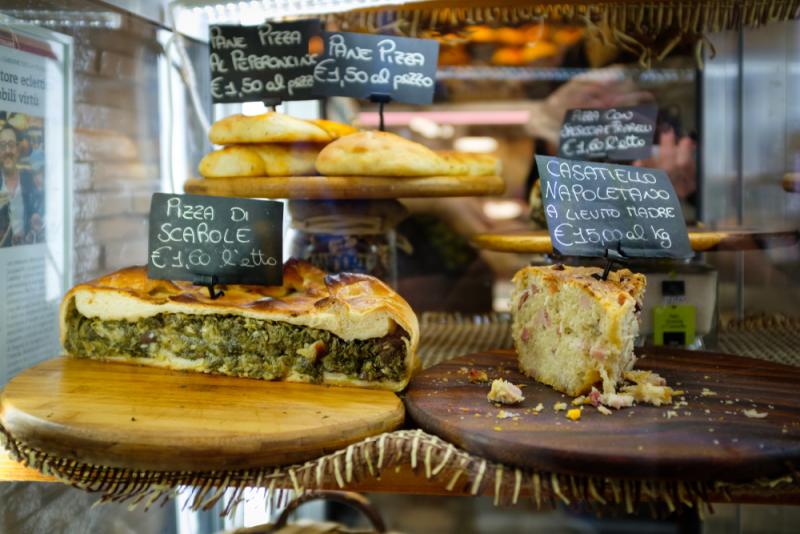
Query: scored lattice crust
(350,306)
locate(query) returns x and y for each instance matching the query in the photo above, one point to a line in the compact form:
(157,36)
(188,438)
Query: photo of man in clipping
(21,180)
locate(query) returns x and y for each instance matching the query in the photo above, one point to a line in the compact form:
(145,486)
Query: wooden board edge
(711,241)
(310,188)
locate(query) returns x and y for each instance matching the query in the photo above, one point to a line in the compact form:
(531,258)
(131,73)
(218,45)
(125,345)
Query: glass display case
(103,104)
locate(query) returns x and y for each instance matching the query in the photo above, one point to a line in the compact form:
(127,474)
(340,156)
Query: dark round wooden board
(701,240)
(709,439)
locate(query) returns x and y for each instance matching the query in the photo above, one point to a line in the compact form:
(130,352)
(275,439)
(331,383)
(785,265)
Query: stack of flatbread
(270,144)
(274,144)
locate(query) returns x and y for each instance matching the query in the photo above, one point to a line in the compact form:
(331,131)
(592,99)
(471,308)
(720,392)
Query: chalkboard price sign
(239,241)
(361,65)
(591,207)
(619,134)
(272,61)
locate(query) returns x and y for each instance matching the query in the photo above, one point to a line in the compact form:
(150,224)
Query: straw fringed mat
(445,336)
(768,337)
(406,450)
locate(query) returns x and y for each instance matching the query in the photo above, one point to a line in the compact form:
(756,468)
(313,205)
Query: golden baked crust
(471,163)
(269,159)
(351,306)
(334,129)
(270,127)
(380,154)
(621,285)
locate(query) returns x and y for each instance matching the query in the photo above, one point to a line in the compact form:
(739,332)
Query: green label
(674,325)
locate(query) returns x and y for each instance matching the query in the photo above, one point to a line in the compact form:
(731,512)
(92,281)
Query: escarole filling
(239,346)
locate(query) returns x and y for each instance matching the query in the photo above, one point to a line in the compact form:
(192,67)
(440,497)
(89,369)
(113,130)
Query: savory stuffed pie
(343,329)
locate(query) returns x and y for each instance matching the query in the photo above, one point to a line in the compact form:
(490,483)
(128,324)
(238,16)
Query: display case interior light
(475,144)
(64,19)
(258,10)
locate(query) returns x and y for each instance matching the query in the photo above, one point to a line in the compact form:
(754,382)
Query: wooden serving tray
(538,241)
(121,415)
(346,187)
(710,439)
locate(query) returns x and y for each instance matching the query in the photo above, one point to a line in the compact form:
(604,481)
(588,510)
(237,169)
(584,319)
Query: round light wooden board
(121,415)
(346,187)
(538,241)
(710,438)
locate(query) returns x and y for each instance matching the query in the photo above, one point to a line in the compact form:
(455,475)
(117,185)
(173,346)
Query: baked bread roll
(380,154)
(272,159)
(334,129)
(268,127)
(573,329)
(342,329)
(471,163)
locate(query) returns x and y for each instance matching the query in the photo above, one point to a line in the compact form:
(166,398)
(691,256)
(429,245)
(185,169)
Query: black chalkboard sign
(618,134)
(591,207)
(236,240)
(271,61)
(361,65)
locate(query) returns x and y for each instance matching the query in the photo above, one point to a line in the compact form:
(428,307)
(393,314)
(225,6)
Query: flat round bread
(268,127)
(272,159)
(126,316)
(471,163)
(380,154)
(335,129)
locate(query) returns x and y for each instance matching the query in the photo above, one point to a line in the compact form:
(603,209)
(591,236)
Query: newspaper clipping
(32,265)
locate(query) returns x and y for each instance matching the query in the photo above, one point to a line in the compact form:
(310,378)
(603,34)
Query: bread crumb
(574,414)
(476,376)
(670,414)
(497,429)
(504,392)
(539,407)
(753,414)
(560,406)
(502,414)
(579,401)
(708,393)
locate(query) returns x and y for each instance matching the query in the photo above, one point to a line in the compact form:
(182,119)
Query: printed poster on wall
(35,218)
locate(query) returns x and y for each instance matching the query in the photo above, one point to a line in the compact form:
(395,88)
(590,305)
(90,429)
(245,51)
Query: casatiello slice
(572,329)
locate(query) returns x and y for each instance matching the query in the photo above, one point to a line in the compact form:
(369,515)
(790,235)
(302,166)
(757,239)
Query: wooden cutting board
(708,439)
(538,241)
(122,415)
(346,187)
